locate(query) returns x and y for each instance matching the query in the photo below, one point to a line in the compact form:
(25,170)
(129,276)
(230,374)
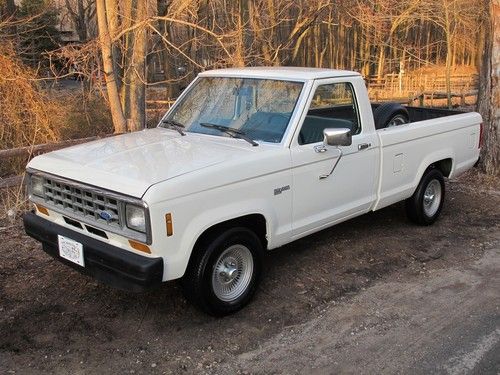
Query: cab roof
(281,73)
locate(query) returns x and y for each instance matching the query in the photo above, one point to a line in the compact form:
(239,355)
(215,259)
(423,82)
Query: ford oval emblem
(105,215)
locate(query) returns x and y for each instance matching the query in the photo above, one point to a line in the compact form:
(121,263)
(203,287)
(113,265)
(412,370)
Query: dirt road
(372,295)
(447,321)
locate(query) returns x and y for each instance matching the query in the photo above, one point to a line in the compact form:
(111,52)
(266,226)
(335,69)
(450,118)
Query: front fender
(205,220)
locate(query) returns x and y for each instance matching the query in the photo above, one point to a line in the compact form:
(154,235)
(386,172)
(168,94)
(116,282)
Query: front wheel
(425,205)
(224,271)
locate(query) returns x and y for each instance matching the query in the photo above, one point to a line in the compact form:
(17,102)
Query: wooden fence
(392,83)
(30,151)
(426,86)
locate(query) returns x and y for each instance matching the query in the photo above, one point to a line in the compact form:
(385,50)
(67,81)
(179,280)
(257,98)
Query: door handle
(363,146)
(320,149)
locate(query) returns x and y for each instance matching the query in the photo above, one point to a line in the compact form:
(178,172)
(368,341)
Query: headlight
(136,218)
(36,186)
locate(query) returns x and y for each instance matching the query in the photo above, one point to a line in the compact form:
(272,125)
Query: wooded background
(121,48)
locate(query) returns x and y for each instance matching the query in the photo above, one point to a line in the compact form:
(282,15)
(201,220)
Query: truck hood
(131,163)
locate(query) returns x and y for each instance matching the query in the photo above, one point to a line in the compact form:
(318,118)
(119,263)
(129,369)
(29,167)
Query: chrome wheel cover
(396,121)
(232,273)
(432,198)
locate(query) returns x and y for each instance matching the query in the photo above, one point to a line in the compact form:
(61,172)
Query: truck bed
(451,137)
(425,113)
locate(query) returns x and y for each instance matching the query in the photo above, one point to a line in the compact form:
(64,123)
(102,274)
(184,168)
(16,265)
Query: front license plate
(71,250)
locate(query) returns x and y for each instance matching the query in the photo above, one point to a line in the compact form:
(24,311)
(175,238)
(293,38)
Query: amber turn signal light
(139,246)
(42,209)
(170,225)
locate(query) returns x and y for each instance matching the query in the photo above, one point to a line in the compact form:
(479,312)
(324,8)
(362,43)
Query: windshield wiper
(235,133)
(174,125)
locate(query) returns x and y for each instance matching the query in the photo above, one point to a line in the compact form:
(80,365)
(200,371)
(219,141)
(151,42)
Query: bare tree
(137,71)
(451,17)
(124,68)
(82,14)
(182,37)
(110,74)
(489,91)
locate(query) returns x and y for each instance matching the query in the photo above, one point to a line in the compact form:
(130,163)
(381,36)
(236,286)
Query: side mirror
(337,137)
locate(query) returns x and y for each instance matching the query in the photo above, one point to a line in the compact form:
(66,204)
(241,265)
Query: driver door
(350,188)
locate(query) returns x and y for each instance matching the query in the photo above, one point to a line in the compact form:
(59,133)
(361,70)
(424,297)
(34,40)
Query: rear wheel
(425,205)
(224,271)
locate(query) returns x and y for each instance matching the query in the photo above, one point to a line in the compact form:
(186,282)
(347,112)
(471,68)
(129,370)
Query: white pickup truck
(245,161)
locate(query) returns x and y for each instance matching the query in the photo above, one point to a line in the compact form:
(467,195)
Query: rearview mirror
(337,137)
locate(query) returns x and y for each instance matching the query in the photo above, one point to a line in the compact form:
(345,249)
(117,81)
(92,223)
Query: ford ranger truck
(246,160)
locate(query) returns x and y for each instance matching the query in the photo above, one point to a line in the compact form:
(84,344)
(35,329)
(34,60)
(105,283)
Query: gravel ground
(372,295)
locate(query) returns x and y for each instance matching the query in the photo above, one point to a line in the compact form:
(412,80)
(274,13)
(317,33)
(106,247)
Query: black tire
(388,113)
(421,209)
(198,282)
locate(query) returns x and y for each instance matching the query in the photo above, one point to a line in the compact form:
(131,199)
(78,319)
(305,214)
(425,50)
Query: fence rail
(42,148)
(34,150)
(405,84)
(11,181)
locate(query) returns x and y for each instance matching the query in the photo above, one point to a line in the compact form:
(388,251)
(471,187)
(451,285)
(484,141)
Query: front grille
(79,201)
(96,210)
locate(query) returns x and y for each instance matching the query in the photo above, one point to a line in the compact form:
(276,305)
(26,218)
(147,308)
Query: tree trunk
(447,30)
(78,18)
(381,62)
(166,60)
(8,13)
(488,103)
(448,70)
(10,8)
(138,69)
(119,122)
(113,26)
(240,50)
(123,72)
(82,24)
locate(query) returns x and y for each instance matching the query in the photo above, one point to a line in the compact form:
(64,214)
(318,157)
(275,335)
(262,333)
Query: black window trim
(356,109)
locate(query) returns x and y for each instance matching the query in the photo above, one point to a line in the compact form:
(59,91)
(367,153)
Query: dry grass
(27,114)
(13,202)
(30,114)
(85,115)
(79,117)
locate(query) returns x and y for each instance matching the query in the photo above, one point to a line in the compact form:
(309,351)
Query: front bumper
(109,264)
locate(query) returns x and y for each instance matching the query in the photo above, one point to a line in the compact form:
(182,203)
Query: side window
(333,106)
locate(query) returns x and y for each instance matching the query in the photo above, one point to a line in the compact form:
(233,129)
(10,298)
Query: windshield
(259,108)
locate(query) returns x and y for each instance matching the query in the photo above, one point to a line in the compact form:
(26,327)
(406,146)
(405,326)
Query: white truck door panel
(351,188)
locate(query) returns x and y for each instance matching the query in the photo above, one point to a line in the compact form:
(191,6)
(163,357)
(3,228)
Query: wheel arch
(201,282)
(443,164)
(256,222)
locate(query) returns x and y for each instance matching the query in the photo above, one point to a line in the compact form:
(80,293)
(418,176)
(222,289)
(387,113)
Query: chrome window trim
(122,200)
